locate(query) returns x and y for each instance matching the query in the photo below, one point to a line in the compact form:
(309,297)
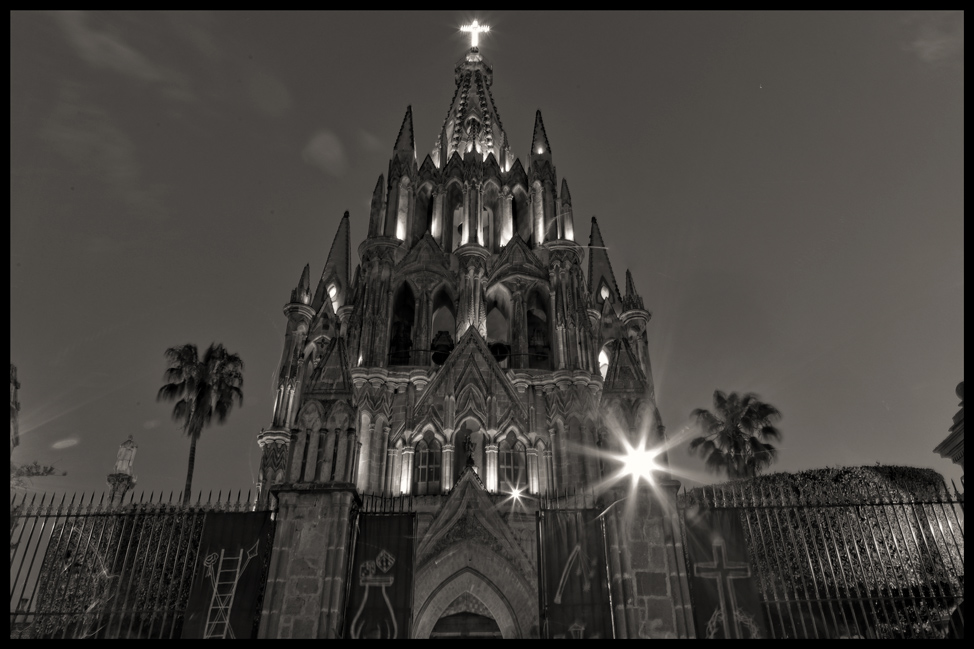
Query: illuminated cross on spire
(475,29)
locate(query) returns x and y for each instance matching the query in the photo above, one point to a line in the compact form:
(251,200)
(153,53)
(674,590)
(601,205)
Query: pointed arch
(496,594)
(423,212)
(500,316)
(444,323)
(512,471)
(521,214)
(402,324)
(453,216)
(491,216)
(427,465)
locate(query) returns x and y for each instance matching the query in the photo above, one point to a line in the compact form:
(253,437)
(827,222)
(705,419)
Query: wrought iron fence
(86,568)
(873,561)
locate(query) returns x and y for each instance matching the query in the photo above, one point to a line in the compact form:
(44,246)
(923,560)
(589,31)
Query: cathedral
(439,406)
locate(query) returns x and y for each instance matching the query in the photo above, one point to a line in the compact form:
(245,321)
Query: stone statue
(126,456)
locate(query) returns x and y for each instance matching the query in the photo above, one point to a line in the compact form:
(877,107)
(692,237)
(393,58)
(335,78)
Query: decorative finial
(475,30)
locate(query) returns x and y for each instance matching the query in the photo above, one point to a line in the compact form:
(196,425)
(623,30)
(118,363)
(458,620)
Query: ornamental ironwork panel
(868,560)
(92,568)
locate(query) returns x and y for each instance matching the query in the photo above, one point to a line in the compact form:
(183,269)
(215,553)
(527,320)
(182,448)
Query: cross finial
(475,30)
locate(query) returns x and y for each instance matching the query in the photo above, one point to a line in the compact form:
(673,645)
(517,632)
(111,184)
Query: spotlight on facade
(639,462)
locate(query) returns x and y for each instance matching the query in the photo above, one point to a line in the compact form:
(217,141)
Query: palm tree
(200,388)
(736,435)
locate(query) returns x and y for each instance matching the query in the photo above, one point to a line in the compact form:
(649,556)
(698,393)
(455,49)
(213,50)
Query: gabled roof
(425,254)
(517,258)
(462,368)
(469,507)
(625,374)
(332,374)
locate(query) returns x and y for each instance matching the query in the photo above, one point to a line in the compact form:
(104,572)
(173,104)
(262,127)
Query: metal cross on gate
(723,571)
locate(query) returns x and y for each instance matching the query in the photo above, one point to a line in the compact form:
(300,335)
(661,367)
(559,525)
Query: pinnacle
(302,291)
(404,142)
(539,143)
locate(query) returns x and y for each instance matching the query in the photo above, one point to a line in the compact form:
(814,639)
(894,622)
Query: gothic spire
(567,219)
(473,123)
(334,280)
(302,293)
(632,300)
(599,268)
(540,149)
(404,142)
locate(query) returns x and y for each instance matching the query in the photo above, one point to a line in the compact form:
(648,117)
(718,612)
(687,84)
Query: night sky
(787,189)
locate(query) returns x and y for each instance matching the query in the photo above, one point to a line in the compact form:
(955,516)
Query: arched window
(453,218)
(423,219)
(403,313)
(427,467)
(443,327)
(511,464)
(499,312)
(490,216)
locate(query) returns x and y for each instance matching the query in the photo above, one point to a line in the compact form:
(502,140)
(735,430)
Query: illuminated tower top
(473,123)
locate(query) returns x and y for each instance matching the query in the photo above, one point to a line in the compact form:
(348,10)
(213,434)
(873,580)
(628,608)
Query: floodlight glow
(516,493)
(640,462)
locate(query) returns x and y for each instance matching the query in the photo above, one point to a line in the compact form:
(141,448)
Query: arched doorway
(467,603)
(466,617)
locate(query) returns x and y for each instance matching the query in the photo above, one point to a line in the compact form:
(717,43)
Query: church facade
(483,364)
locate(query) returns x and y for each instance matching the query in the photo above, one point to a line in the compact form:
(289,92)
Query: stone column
(352,446)
(424,320)
(547,472)
(406,479)
(557,350)
(388,481)
(537,214)
(490,479)
(395,472)
(384,459)
(534,477)
(507,220)
(554,452)
(436,227)
(326,467)
(447,482)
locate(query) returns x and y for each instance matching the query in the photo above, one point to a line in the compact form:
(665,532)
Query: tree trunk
(187,491)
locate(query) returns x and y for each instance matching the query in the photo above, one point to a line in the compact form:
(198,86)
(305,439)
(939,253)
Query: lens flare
(639,462)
